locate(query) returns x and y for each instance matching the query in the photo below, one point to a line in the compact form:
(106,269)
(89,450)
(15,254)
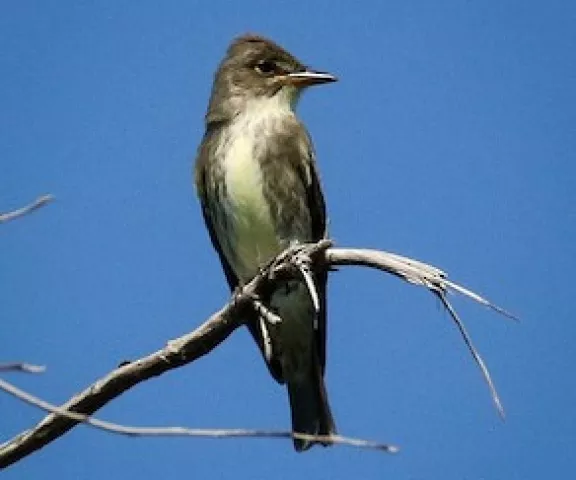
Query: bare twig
(432,278)
(21,367)
(214,331)
(413,271)
(475,355)
(178,352)
(187,432)
(20,212)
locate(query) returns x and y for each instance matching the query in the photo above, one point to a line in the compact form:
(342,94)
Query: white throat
(282,103)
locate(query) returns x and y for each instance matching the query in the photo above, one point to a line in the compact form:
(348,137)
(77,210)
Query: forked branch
(218,327)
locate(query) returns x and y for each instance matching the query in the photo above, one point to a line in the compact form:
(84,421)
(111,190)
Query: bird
(257,181)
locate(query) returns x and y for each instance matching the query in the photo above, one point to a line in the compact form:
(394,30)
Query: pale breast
(255,241)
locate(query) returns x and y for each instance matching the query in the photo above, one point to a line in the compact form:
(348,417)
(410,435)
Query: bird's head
(257,68)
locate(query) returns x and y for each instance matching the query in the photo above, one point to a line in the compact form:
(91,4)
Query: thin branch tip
(22,367)
(475,355)
(133,431)
(20,212)
(479,299)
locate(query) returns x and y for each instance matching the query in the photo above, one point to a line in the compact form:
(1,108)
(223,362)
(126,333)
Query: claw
(264,312)
(303,262)
(267,342)
(266,318)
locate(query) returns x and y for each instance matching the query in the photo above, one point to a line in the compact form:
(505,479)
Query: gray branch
(219,326)
(21,367)
(20,212)
(133,431)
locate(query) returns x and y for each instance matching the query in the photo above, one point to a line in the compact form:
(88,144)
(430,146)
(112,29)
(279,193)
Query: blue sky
(449,138)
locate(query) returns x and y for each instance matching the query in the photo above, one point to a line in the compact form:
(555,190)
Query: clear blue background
(450,138)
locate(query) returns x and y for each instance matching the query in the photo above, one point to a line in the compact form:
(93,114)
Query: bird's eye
(265,67)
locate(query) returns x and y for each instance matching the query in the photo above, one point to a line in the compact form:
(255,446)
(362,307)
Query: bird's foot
(238,295)
(302,261)
(266,313)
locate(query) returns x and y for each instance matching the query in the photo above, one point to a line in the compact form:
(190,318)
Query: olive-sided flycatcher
(258,185)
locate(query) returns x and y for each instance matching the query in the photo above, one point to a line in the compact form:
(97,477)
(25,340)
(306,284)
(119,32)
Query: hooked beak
(308,78)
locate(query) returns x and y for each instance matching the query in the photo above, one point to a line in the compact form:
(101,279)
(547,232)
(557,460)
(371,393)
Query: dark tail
(310,410)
